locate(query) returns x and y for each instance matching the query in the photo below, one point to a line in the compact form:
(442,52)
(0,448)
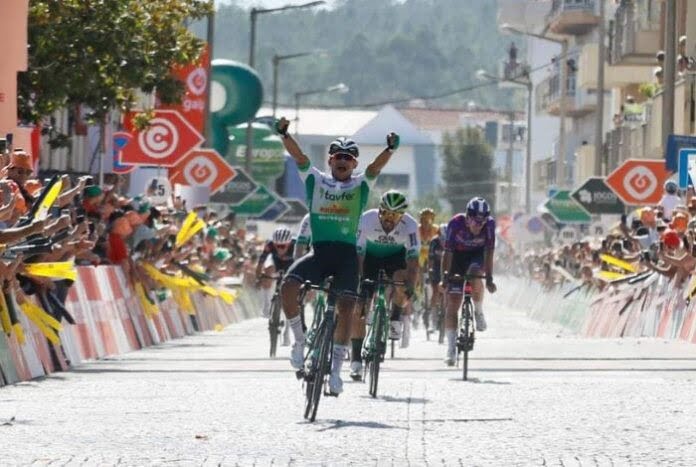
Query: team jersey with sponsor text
(374,241)
(335,206)
(460,238)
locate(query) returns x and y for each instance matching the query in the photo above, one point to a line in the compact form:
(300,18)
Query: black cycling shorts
(372,265)
(463,263)
(337,259)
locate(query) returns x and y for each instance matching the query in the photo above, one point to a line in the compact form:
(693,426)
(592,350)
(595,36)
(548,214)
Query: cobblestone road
(538,397)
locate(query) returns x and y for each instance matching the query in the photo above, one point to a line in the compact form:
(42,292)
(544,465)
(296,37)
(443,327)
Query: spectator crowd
(658,239)
(50,225)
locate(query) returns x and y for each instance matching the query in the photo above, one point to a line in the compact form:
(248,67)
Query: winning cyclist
(336,201)
(469,249)
(388,240)
(277,255)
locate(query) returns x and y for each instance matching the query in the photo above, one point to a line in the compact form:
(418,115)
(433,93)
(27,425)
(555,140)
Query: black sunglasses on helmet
(336,149)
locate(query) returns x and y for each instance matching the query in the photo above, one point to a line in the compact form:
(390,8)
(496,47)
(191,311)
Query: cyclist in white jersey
(387,240)
(335,201)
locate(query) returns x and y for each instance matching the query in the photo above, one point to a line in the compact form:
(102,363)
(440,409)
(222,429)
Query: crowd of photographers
(72,219)
(658,239)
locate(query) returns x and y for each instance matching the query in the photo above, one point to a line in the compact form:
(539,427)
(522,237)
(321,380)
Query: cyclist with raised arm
(277,255)
(387,240)
(469,248)
(336,200)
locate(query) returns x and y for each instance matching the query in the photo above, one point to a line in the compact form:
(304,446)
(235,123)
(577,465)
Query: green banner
(256,203)
(566,210)
(268,160)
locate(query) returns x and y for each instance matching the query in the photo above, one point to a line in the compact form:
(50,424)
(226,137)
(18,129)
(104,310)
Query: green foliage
(102,52)
(468,168)
(382,49)
(648,89)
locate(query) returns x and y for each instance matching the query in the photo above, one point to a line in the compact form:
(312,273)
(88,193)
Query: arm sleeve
(306,170)
(304,235)
(413,246)
(449,238)
(362,237)
(490,234)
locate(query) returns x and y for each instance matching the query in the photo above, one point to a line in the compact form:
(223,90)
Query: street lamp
(483,75)
(276,63)
(562,76)
(340,88)
(252,51)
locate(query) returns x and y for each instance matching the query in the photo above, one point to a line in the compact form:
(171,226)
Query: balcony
(634,34)
(572,17)
(578,102)
(614,76)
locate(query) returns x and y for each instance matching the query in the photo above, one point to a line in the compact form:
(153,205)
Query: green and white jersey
(304,234)
(374,241)
(334,206)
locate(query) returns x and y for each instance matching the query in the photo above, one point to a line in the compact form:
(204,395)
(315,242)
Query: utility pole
(599,119)
(563,76)
(528,159)
(669,70)
(508,161)
(210,39)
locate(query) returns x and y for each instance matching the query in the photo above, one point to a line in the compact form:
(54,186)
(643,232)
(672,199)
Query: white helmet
(282,235)
(343,145)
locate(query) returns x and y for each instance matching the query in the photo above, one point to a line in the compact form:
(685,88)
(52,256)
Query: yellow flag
(58,270)
(189,222)
(36,318)
(49,199)
(19,332)
(610,276)
(5,315)
(195,228)
(618,263)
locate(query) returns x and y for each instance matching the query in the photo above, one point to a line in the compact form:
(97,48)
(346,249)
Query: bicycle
(274,322)
(376,341)
(319,355)
(467,333)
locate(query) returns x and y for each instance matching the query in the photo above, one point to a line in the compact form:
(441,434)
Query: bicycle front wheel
(315,385)
(377,351)
(274,325)
(467,326)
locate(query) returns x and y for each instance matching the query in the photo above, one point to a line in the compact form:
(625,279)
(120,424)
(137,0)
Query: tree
(468,168)
(100,53)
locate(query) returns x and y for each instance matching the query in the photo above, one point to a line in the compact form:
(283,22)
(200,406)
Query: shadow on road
(482,381)
(337,424)
(406,400)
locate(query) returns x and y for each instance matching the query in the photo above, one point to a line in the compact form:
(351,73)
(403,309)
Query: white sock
(451,338)
(478,307)
(339,354)
(296,326)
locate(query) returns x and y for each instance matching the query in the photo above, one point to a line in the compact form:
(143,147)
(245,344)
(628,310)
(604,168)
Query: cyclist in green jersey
(336,201)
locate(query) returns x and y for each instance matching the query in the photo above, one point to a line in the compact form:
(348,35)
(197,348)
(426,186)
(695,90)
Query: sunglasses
(390,214)
(282,246)
(336,149)
(341,156)
(21,171)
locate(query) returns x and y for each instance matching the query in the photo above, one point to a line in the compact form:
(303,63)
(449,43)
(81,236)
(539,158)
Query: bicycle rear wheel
(274,325)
